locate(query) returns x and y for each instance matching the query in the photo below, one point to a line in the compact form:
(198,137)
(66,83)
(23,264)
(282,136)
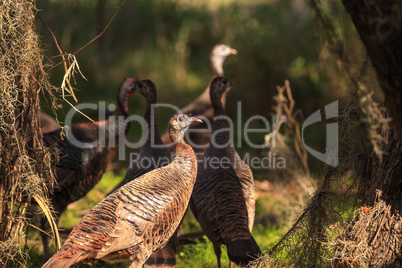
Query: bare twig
(285,107)
(104,30)
(74,67)
(64,61)
(87,44)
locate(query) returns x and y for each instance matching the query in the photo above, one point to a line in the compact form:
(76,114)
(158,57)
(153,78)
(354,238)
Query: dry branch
(286,107)
(70,62)
(285,142)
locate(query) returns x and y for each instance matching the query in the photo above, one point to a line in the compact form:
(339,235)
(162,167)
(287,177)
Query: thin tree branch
(87,44)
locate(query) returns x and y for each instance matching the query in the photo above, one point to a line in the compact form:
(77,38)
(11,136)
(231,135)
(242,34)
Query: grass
(199,254)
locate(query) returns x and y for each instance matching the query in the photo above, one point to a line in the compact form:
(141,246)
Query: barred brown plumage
(140,217)
(202,105)
(153,154)
(223,197)
(79,169)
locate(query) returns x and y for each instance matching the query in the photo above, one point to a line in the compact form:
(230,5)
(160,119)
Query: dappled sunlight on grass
(200,254)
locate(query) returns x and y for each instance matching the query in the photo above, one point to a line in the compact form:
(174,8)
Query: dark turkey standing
(141,216)
(223,196)
(202,105)
(80,168)
(153,154)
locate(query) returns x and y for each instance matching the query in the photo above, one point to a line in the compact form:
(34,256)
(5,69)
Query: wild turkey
(153,154)
(80,168)
(202,106)
(139,218)
(223,196)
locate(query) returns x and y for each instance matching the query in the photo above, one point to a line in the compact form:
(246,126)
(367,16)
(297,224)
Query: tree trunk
(379,24)
(374,237)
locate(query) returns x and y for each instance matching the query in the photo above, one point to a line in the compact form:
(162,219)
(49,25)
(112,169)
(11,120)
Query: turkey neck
(220,122)
(122,102)
(217,65)
(184,155)
(121,113)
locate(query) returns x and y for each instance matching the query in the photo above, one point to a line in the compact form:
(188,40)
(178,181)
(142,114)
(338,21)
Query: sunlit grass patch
(200,255)
(271,223)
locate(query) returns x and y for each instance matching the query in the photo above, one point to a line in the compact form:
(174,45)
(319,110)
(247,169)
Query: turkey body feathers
(140,217)
(153,154)
(208,198)
(86,149)
(78,169)
(223,195)
(223,204)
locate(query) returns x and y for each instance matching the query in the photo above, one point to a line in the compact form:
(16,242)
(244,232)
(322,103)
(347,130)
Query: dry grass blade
(286,119)
(48,213)
(104,30)
(69,72)
(66,83)
(74,67)
(87,44)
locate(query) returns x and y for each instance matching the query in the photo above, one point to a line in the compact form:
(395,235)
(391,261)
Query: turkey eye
(181,119)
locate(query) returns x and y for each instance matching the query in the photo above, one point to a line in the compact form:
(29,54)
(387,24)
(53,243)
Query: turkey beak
(193,120)
(130,83)
(233,51)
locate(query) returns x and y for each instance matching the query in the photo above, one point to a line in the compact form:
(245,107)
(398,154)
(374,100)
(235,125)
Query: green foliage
(200,254)
(169,42)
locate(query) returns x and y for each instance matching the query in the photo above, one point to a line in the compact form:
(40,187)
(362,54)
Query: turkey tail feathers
(60,260)
(242,250)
